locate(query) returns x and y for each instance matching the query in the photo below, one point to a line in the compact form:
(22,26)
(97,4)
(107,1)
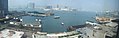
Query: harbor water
(69,18)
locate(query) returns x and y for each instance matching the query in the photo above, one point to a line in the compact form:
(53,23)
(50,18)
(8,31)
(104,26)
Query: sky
(88,5)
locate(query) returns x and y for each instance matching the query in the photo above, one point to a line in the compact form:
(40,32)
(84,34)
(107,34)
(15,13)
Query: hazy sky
(90,5)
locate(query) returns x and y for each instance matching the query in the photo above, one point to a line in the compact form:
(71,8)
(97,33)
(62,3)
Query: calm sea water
(49,24)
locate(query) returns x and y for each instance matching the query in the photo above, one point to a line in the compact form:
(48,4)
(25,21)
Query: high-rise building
(57,6)
(3,8)
(48,7)
(31,5)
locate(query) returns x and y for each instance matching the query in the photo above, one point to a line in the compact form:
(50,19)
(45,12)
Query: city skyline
(90,5)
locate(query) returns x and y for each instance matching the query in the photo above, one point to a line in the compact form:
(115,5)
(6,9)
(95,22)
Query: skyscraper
(3,8)
(31,5)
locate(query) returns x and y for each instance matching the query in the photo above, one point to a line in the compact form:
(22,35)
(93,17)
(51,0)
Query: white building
(11,34)
(73,34)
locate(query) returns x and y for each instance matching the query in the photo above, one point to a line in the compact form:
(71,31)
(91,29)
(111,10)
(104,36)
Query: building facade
(3,8)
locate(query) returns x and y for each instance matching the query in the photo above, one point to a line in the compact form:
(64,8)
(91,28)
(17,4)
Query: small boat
(38,19)
(56,17)
(62,23)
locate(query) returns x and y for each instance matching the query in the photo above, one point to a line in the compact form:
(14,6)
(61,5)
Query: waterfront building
(72,34)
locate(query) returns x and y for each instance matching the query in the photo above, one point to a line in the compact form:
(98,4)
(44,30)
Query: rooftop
(99,31)
(11,34)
